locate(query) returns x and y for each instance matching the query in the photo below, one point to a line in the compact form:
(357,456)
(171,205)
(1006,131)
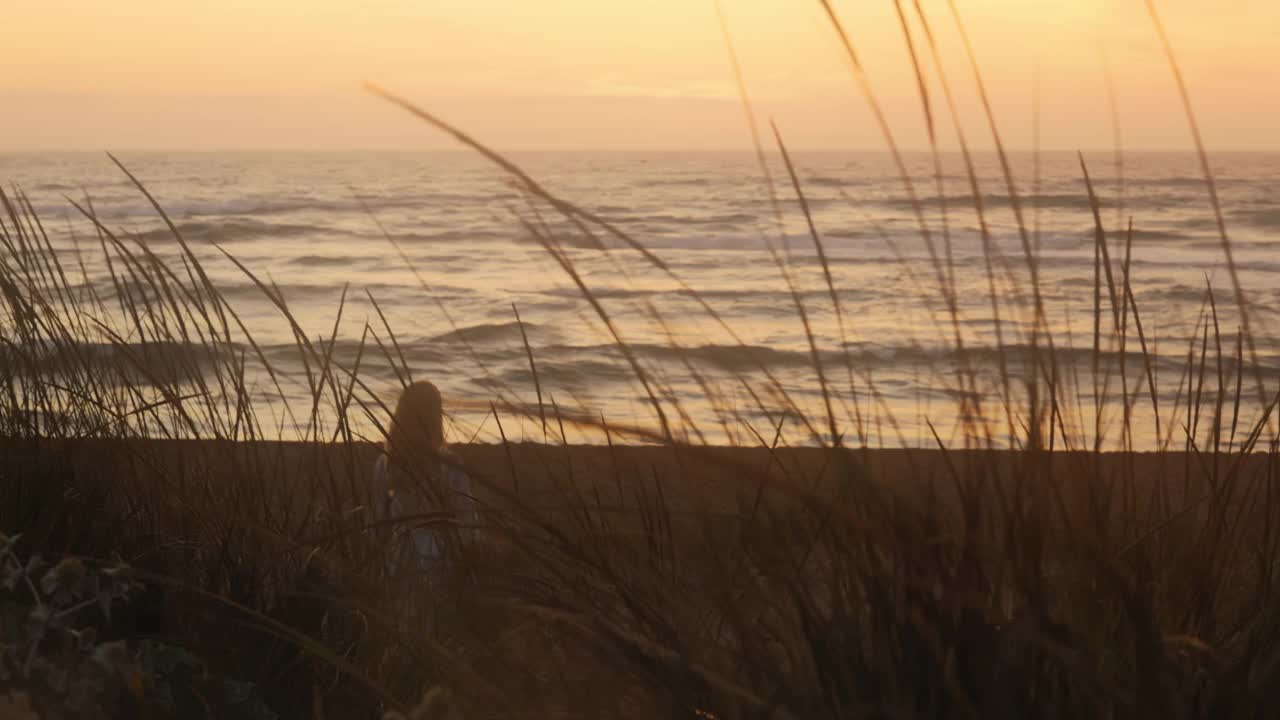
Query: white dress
(415,544)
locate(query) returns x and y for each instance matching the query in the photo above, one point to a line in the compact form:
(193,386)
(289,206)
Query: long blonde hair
(417,427)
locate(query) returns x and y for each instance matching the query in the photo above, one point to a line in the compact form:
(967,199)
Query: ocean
(716,314)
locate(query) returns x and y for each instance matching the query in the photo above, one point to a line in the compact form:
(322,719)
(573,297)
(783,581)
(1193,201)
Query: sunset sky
(609,74)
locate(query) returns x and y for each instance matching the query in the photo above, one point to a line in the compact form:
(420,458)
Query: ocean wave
(1050,201)
(728,357)
(1119,235)
(277,206)
(455,235)
(230,230)
(255,207)
(55,187)
(582,372)
(710,241)
(753,242)
(678,182)
(735,218)
(323,261)
(748,358)
(344,351)
(388,294)
(1064,201)
(130,363)
(1185,293)
(488,332)
(830,181)
(753,295)
(1186,181)
(1266,218)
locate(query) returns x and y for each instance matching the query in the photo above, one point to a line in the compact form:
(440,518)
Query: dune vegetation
(182,541)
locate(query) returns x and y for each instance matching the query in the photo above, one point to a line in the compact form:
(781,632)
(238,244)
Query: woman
(418,481)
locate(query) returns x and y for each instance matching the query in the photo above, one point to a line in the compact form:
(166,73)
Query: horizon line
(618,151)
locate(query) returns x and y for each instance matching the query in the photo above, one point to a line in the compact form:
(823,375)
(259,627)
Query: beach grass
(1039,566)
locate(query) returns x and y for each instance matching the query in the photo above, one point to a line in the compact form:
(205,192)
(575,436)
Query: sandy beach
(689,478)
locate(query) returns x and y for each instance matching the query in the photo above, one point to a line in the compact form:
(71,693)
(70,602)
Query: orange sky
(607,74)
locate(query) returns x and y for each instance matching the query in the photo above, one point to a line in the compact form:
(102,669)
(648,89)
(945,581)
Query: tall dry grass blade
(699,378)
(1030,255)
(984,231)
(1126,266)
(506,446)
(533,368)
(815,357)
(1101,262)
(174,400)
(1197,406)
(343,430)
(186,249)
(1211,186)
(325,366)
(1235,406)
(1215,428)
(1246,448)
(403,373)
(753,124)
(1147,355)
(1100,237)
(1015,201)
(1184,378)
(946,275)
(882,121)
(826,274)
(504,391)
(628,353)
